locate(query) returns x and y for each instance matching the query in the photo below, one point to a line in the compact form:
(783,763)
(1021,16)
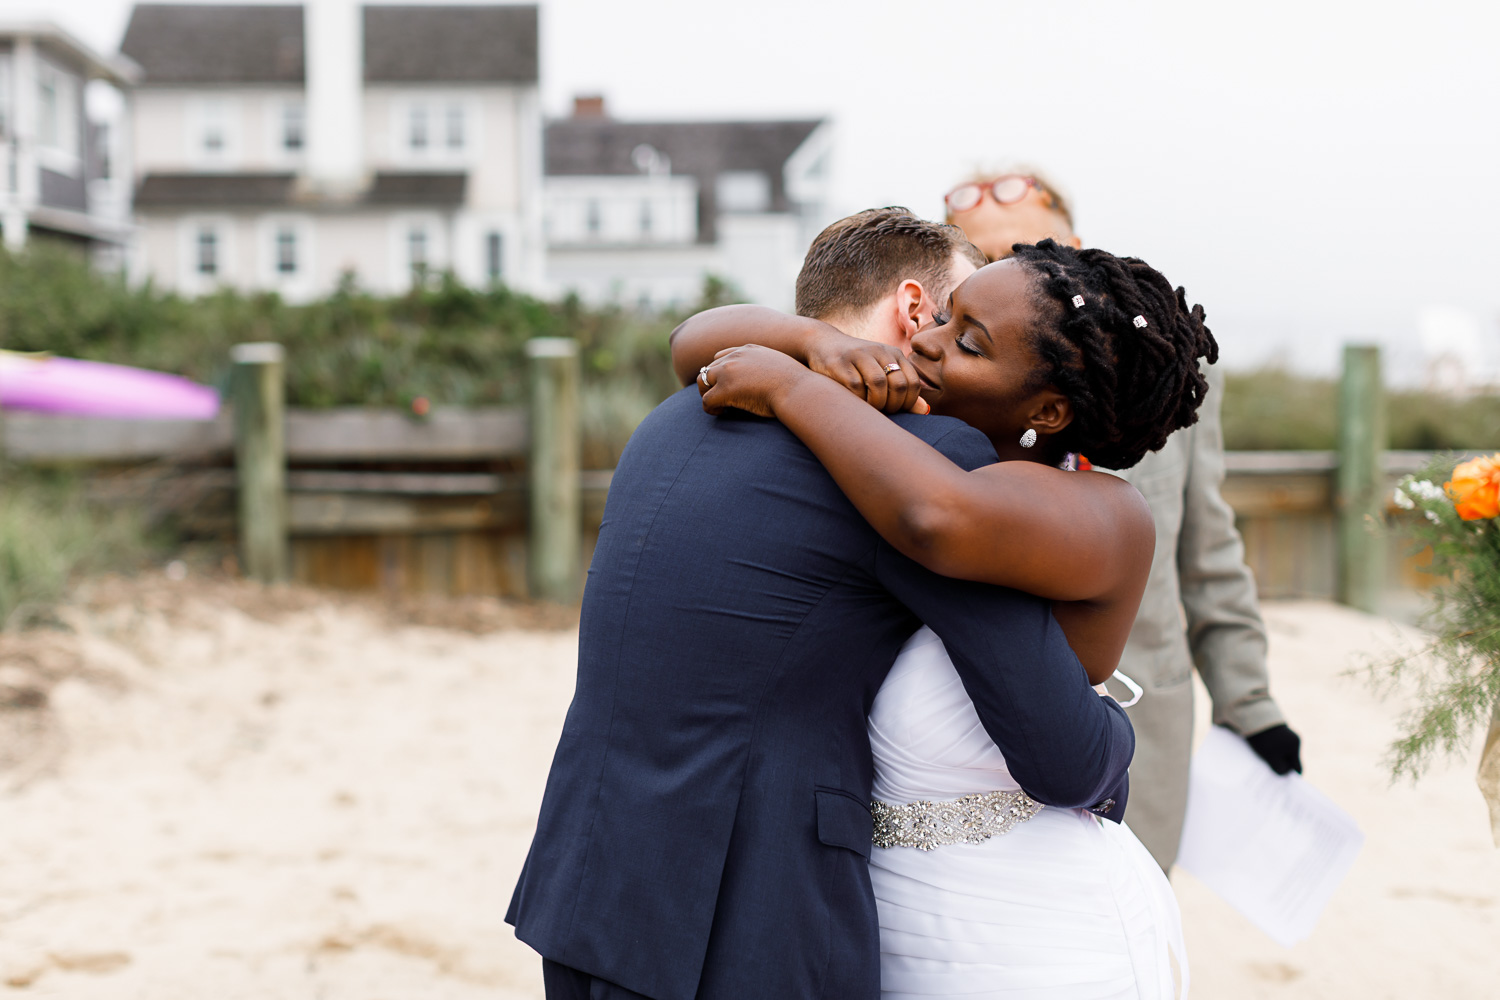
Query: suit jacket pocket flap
(844,821)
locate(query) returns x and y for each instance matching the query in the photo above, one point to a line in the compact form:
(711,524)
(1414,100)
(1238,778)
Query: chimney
(334,56)
(589,106)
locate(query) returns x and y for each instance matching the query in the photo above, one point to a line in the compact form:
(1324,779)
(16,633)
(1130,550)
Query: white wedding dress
(1064,906)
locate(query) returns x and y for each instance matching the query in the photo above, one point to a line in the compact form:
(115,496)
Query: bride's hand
(748,378)
(877,373)
(753,378)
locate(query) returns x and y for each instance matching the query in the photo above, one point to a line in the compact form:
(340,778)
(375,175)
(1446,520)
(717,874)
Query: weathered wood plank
(41,438)
(1263,493)
(368,434)
(411,483)
(355,434)
(356,513)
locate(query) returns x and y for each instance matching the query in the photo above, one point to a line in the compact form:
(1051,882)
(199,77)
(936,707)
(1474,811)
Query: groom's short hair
(857,261)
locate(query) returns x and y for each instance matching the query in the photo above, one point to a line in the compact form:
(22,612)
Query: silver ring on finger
(892,367)
(703,377)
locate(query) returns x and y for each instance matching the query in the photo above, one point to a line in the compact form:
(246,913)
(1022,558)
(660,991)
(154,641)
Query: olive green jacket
(1200,609)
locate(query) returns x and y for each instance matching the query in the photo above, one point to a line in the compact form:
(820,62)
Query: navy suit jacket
(705,830)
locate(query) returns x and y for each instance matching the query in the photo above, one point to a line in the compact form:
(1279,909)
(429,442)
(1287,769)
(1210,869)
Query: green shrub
(466,347)
(444,341)
(1275,410)
(49,534)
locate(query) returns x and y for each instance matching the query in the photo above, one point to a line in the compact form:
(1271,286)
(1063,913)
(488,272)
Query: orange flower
(1475,488)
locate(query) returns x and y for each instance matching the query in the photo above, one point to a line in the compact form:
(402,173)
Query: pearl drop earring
(1029,438)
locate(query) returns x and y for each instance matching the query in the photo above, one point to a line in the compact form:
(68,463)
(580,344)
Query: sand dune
(215,790)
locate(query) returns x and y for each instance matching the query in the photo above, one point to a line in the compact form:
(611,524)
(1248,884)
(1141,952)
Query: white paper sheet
(1275,848)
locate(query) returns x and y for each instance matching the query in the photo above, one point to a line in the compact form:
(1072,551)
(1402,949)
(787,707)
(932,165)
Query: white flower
(1402,500)
(1431,516)
(1425,490)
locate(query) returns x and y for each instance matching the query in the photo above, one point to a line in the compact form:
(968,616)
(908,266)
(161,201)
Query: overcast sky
(1313,172)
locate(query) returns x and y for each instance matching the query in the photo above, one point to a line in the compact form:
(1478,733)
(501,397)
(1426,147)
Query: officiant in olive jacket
(1200,607)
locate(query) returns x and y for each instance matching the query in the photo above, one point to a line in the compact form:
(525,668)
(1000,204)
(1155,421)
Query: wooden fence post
(556,526)
(1361,479)
(259,394)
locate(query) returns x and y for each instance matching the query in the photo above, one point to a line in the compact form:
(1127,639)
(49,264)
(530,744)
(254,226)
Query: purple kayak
(46,384)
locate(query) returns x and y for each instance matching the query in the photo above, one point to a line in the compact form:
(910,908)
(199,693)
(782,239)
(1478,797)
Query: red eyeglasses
(1005,190)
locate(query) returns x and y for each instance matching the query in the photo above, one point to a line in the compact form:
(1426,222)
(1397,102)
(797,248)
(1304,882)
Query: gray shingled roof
(228,191)
(239,43)
(417,189)
(451,44)
(213,190)
(601,146)
(196,43)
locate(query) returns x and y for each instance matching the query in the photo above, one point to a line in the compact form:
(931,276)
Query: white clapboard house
(64,174)
(281,147)
(641,212)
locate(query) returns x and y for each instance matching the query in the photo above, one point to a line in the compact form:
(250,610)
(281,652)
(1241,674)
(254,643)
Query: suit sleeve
(1224,627)
(1065,745)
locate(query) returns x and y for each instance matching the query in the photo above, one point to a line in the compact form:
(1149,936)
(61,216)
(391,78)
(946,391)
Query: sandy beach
(209,789)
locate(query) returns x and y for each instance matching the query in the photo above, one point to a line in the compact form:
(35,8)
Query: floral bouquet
(1458,675)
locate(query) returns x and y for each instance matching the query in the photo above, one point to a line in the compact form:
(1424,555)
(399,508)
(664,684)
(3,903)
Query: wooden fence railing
(491,500)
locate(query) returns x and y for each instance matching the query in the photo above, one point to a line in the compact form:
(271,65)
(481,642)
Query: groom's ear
(913,308)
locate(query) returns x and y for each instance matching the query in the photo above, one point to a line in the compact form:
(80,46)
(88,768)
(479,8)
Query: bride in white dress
(1062,904)
(981,891)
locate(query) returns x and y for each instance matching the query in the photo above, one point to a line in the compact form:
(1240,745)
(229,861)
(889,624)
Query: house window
(5,64)
(46,97)
(214,136)
(213,130)
(57,109)
(286,251)
(293,127)
(494,260)
(416,132)
(455,126)
(646,217)
(416,250)
(744,191)
(208,252)
(103,144)
(594,219)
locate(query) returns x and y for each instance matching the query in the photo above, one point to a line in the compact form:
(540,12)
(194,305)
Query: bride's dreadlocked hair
(1130,385)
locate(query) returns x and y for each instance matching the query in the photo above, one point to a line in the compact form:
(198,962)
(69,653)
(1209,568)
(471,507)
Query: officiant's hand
(755,379)
(1279,747)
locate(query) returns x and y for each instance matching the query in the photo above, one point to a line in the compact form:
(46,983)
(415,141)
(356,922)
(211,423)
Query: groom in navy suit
(706,828)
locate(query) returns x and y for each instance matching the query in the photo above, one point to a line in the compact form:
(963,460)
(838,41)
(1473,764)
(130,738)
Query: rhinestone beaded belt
(969,819)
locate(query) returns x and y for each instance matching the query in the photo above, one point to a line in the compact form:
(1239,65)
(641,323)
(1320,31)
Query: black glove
(1278,747)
